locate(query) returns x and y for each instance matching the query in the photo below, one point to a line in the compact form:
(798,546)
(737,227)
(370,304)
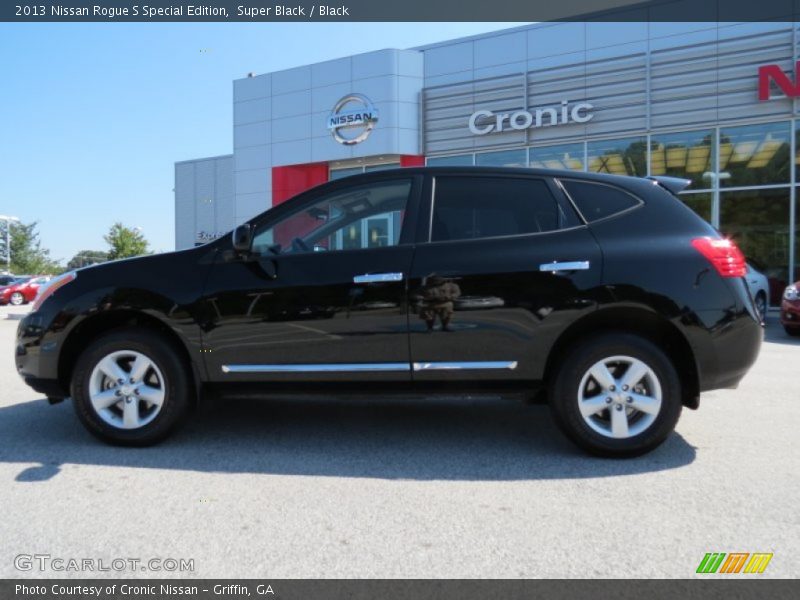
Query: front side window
(366,216)
(467,208)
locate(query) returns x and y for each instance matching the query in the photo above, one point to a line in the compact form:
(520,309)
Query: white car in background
(759,289)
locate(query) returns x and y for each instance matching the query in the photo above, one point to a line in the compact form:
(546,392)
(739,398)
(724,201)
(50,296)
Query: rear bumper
(729,351)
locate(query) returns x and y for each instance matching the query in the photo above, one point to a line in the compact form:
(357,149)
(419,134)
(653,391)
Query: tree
(87,257)
(27,254)
(125,242)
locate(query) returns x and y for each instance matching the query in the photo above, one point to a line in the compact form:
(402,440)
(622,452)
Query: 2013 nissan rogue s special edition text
(606,292)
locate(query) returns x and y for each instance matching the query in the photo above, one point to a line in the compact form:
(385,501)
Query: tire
(792,331)
(145,413)
(17,299)
(602,433)
(761,304)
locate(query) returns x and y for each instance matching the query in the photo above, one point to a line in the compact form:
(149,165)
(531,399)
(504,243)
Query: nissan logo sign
(352,119)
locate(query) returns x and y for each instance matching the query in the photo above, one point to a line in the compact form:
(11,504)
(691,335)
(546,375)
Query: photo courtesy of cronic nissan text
(404,301)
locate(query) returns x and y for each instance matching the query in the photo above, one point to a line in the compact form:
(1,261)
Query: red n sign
(774,73)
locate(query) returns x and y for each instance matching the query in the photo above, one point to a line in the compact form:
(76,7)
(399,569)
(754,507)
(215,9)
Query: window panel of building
(758,221)
(459,160)
(754,154)
(619,157)
(340,173)
(504,158)
(689,155)
(371,168)
(564,156)
(699,203)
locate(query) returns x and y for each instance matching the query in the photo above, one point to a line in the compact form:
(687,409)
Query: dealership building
(711,102)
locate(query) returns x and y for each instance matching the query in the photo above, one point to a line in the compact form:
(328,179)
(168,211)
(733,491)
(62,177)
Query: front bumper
(36,356)
(790,313)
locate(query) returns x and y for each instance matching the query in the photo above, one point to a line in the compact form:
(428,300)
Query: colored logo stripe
(713,562)
(734,562)
(758,562)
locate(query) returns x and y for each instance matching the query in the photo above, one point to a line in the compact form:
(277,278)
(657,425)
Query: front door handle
(378,277)
(575,265)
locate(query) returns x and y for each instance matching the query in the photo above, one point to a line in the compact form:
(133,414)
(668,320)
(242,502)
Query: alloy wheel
(619,397)
(17,298)
(127,389)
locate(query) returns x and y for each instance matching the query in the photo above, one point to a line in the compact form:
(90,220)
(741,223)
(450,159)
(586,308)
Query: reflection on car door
(336,308)
(507,265)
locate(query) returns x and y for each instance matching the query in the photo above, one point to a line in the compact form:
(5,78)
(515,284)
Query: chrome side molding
(318,368)
(370,367)
(575,265)
(459,366)
(378,277)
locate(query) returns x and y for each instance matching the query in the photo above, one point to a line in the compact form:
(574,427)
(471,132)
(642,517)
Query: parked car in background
(6,280)
(759,288)
(790,309)
(22,292)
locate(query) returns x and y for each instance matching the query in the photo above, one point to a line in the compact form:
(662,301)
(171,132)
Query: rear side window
(596,200)
(468,208)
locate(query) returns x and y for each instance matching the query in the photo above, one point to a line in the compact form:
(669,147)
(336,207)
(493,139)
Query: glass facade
(618,157)
(504,158)
(456,160)
(744,181)
(565,156)
(689,155)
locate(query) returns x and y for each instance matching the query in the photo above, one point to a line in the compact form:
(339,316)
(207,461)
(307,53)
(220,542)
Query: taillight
(48,291)
(724,254)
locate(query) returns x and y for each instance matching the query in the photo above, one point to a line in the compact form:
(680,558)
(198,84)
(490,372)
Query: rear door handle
(378,277)
(575,265)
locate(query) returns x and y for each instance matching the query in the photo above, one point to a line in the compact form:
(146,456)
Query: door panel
(504,309)
(486,301)
(322,296)
(313,322)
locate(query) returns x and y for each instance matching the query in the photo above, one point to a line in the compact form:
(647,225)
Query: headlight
(52,286)
(791,293)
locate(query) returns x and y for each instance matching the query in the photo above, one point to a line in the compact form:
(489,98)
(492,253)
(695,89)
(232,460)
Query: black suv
(605,292)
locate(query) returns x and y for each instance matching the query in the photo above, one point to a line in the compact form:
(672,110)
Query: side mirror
(242,238)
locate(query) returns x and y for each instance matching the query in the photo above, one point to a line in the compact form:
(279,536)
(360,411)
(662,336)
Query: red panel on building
(412,160)
(292,179)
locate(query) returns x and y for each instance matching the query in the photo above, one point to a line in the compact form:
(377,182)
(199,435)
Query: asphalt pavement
(478,488)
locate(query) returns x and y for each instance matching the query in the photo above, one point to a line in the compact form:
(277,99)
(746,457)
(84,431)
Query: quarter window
(597,201)
(468,208)
(366,216)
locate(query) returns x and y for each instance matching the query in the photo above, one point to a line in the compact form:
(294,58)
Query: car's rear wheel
(131,388)
(616,395)
(17,299)
(761,304)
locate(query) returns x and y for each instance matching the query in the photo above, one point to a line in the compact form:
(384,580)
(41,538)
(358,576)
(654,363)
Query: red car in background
(790,309)
(22,292)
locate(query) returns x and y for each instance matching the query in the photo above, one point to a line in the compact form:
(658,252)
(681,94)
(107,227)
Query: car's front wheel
(17,299)
(130,387)
(616,395)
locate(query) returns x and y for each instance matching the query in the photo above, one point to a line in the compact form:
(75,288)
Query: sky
(93,116)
